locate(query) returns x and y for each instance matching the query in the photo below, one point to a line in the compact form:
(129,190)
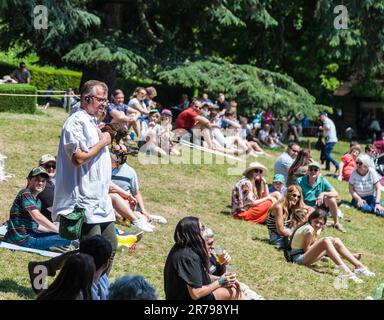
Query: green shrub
(17,103)
(41,77)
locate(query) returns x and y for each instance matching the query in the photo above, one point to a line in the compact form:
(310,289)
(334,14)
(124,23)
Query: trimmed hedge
(16,103)
(41,77)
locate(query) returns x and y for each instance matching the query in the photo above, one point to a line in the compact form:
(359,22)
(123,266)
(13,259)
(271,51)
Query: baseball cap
(278,178)
(153,111)
(314,164)
(323,114)
(166,112)
(38,171)
(46,158)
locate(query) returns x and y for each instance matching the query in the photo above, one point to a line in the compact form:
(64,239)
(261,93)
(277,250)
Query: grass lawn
(177,190)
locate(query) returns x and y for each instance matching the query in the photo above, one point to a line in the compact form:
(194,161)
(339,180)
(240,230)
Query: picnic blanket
(14,247)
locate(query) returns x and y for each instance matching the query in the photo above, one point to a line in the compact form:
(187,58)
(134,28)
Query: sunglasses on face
(50,166)
(258,171)
(359,163)
(296,196)
(314,169)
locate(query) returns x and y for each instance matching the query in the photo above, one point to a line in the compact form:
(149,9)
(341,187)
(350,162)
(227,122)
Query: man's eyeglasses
(295,151)
(50,166)
(359,163)
(100,100)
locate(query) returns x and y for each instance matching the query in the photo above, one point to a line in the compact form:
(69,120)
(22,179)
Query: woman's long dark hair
(188,235)
(75,277)
(301,160)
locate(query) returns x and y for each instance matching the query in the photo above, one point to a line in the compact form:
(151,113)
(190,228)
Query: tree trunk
(103,72)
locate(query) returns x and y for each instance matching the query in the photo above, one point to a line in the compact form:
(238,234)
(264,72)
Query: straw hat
(253,166)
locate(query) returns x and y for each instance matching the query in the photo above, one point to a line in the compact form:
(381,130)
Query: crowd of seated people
(294,206)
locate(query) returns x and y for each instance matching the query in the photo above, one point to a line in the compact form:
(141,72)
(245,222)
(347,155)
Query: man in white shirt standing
(330,135)
(83,171)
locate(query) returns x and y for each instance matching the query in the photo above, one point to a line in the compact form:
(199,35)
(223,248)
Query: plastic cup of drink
(219,253)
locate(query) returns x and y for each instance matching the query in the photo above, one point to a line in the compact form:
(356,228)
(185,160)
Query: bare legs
(335,250)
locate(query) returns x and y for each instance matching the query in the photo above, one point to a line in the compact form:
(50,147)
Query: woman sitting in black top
(186,275)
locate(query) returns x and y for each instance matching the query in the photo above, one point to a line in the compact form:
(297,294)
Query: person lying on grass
(307,249)
(280,216)
(251,199)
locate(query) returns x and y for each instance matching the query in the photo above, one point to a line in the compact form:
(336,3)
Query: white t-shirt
(87,185)
(282,164)
(330,136)
(364,185)
(135,101)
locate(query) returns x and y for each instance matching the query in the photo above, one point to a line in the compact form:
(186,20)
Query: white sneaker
(152,226)
(142,225)
(365,272)
(158,219)
(353,277)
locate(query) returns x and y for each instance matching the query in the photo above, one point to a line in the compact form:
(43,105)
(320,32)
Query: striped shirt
(271,223)
(20,223)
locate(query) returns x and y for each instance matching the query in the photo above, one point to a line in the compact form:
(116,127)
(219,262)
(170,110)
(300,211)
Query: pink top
(268,116)
(349,166)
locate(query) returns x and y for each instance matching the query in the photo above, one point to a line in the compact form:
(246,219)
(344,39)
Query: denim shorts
(297,255)
(277,240)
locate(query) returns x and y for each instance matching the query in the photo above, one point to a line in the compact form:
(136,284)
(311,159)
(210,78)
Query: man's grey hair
(89,87)
(208,233)
(131,287)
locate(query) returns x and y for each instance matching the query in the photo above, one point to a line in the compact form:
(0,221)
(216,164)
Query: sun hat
(46,158)
(364,159)
(278,178)
(166,112)
(38,171)
(253,166)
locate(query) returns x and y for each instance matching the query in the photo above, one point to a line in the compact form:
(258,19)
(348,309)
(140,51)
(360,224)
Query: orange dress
(243,203)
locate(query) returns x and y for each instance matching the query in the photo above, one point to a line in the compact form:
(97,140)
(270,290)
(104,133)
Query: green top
(312,192)
(20,223)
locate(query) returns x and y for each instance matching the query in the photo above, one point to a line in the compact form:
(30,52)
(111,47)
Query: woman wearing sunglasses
(307,249)
(365,187)
(251,199)
(279,218)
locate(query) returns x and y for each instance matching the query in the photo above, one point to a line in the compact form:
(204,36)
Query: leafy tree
(144,38)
